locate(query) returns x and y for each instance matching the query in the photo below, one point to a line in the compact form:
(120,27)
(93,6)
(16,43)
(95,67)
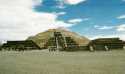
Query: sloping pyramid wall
(44,39)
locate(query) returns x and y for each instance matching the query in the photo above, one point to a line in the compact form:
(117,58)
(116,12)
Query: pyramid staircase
(71,44)
(61,43)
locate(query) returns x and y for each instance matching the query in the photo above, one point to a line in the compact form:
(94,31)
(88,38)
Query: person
(91,48)
(106,48)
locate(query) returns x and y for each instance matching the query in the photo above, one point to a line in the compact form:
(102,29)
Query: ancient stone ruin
(60,40)
(106,44)
(64,40)
(20,45)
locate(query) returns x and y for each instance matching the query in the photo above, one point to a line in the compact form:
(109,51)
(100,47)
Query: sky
(20,19)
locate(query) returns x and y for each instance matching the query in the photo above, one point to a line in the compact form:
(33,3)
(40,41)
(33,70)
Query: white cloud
(120,27)
(121,17)
(18,20)
(103,27)
(75,21)
(37,2)
(121,36)
(103,36)
(62,3)
(73,2)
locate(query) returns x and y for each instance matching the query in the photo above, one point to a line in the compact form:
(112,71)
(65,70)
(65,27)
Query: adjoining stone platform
(107,44)
(63,40)
(20,45)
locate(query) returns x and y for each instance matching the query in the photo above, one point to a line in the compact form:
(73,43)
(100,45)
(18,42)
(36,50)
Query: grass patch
(44,62)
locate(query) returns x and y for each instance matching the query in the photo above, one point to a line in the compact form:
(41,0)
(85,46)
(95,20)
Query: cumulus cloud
(62,3)
(121,17)
(18,20)
(120,27)
(103,27)
(75,21)
(74,2)
(122,37)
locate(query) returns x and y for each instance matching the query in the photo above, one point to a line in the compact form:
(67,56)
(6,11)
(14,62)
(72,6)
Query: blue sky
(102,15)
(91,18)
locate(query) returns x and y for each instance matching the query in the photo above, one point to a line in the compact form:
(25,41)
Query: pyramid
(64,36)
